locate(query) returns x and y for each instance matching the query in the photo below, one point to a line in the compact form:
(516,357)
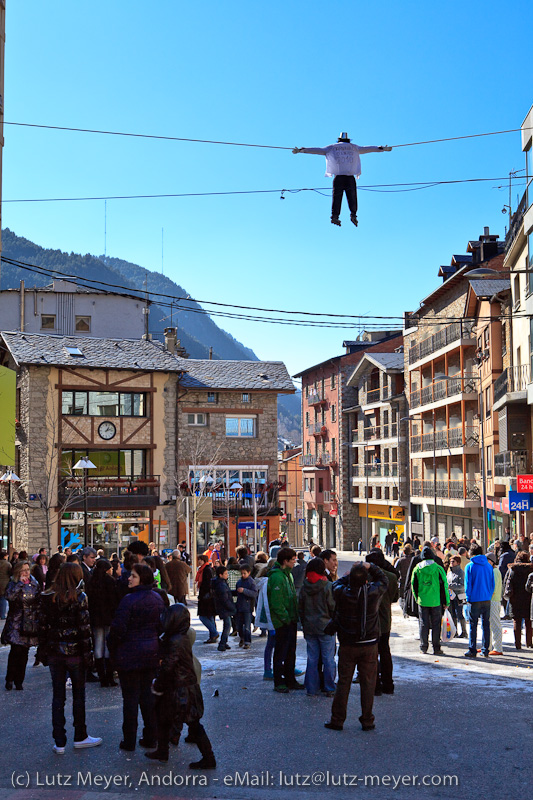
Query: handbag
(28,625)
(448,629)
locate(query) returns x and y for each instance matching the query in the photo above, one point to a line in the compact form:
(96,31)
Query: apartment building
(443,383)
(331,519)
(378,471)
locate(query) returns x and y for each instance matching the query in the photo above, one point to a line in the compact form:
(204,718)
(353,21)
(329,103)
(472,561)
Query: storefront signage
(519,501)
(391,513)
(524,483)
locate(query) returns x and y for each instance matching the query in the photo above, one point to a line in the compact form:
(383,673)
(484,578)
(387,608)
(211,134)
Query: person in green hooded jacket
(430,590)
(283,605)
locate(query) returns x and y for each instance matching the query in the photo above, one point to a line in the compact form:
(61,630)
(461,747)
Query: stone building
(379,468)
(291,495)
(111,400)
(227,435)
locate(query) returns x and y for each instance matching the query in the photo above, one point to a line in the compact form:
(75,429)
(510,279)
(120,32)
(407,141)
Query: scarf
(198,578)
(314,577)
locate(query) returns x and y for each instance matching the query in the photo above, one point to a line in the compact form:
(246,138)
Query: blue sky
(281,73)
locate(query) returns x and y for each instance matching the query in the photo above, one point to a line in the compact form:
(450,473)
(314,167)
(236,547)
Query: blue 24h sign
(519,501)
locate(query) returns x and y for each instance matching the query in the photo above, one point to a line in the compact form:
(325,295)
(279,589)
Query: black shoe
(19,687)
(206,762)
(469,654)
(368,727)
(336,221)
(124,746)
(332,726)
(9,686)
(157,756)
(147,745)
(281,689)
(388,691)
(295,687)
(438,652)
(423,650)
(353,218)
(90,678)
(211,640)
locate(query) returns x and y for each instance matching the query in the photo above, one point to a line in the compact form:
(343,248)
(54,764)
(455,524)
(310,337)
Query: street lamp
(85,464)
(9,478)
(442,377)
(236,487)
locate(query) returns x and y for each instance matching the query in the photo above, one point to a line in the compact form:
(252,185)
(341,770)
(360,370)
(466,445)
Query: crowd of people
(128,619)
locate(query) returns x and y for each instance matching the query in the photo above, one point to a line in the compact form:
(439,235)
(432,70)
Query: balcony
(435,392)
(516,221)
(512,379)
(445,439)
(388,431)
(109,494)
(387,470)
(376,395)
(317,429)
(451,333)
(315,397)
(445,490)
(510,463)
(320,460)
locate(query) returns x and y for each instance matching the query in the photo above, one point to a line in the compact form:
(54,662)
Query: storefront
(383,520)
(113,530)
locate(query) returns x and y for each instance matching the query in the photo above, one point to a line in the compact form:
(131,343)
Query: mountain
(197,331)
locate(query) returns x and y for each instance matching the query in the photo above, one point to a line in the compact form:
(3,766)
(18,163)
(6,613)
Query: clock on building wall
(106,430)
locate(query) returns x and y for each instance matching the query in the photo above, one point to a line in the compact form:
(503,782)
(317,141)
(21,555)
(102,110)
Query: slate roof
(211,374)
(387,360)
(489,286)
(142,354)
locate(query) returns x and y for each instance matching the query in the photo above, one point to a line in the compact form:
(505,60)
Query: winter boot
(109,674)
(158,755)
(208,758)
(99,665)
(353,218)
(335,221)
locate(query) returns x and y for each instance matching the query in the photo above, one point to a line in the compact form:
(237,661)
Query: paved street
(448,717)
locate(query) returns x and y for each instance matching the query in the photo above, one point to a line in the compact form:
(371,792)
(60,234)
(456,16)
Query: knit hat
(428,554)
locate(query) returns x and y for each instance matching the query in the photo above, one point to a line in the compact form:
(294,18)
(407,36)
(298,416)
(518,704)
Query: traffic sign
(519,501)
(524,483)
(301,522)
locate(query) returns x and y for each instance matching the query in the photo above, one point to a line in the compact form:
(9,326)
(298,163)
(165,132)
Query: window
(48,322)
(516,291)
(196,419)
(308,448)
(307,419)
(108,463)
(306,484)
(104,404)
(488,465)
(394,493)
(306,391)
(333,413)
(83,324)
(504,338)
(321,485)
(333,448)
(387,493)
(487,401)
(212,397)
(240,426)
(378,492)
(312,484)
(355,491)
(333,381)
(529,260)
(246,397)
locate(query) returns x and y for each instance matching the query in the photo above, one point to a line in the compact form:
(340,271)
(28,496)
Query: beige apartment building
(443,383)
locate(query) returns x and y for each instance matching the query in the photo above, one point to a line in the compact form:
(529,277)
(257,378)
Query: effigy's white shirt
(342,158)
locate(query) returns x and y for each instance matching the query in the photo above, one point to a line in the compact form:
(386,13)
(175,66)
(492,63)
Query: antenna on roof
(162,260)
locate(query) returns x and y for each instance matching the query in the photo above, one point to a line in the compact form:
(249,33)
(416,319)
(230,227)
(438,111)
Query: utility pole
(2,62)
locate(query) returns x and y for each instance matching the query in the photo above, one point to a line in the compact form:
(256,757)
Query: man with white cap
(344,165)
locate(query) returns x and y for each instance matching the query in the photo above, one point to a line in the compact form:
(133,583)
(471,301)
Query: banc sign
(524,483)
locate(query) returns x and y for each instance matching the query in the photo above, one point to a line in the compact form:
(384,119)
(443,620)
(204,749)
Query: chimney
(171,339)
(210,354)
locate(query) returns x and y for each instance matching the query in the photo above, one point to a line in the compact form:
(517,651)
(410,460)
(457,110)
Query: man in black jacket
(224,605)
(357,598)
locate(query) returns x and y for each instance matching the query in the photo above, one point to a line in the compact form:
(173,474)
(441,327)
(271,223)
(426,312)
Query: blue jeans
(269,649)
(320,646)
(226,622)
(99,639)
(3,607)
(480,608)
(243,620)
(59,667)
(211,626)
